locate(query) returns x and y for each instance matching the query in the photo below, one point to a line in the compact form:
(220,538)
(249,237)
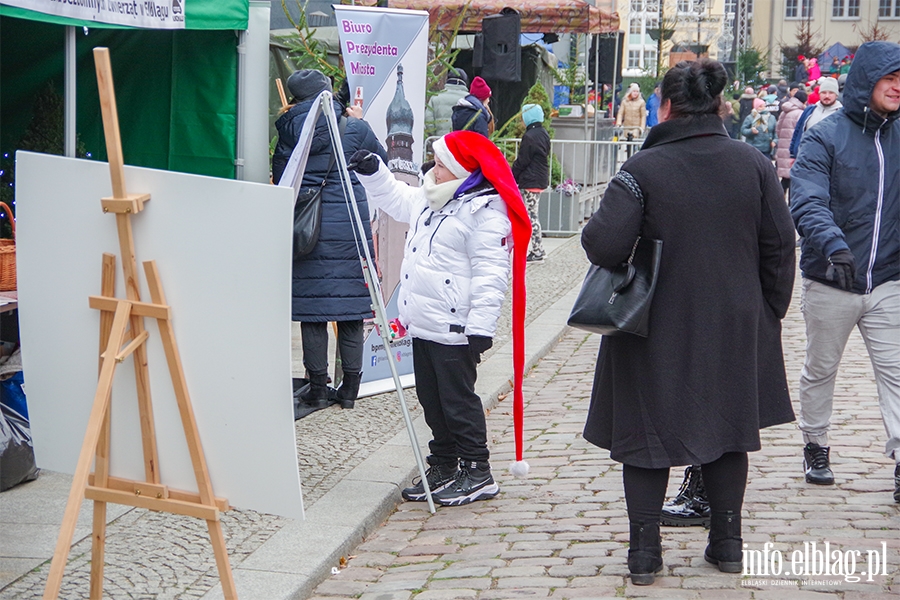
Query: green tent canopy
(176,90)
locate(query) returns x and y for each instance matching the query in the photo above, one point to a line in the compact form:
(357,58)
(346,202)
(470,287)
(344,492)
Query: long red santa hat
(472,151)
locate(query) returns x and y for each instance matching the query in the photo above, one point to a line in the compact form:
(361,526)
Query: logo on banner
(358,96)
(150,14)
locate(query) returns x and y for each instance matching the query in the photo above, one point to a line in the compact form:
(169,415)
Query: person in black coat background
(532,172)
(328,283)
(472,113)
(711,372)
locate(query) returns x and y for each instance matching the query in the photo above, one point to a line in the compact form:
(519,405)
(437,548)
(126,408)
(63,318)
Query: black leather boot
(725,547)
(346,394)
(644,553)
(310,398)
(690,506)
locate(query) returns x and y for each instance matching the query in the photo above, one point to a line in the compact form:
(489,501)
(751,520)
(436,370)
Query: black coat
(532,166)
(328,283)
(711,372)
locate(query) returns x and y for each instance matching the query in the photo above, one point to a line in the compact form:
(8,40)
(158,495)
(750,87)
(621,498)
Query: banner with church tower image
(385,53)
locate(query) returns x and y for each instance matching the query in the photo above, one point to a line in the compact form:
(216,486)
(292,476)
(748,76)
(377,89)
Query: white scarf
(439,194)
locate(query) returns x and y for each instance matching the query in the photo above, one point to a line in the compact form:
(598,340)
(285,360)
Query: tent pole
(70,91)
(587,77)
(615,75)
(241,101)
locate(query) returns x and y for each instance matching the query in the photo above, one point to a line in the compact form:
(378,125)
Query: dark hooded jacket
(845,184)
(328,283)
(471,114)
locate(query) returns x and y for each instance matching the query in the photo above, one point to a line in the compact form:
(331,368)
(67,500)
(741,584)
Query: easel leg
(101,460)
(192,436)
(88,448)
(217,539)
(141,373)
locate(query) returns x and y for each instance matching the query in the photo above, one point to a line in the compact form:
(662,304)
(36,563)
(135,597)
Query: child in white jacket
(462,225)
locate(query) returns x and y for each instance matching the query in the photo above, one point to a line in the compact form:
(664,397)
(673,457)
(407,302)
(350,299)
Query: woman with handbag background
(710,372)
(328,283)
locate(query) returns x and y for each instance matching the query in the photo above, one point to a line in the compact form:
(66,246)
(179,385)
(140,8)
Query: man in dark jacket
(746,105)
(532,172)
(845,201)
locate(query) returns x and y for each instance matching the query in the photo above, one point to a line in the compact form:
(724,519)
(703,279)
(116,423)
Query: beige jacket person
(632,115)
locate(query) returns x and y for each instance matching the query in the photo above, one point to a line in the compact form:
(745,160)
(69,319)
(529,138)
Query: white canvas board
(223,250)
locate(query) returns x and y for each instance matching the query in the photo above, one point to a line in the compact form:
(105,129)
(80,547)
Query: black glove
(841,269)
(363,162)
(479,344)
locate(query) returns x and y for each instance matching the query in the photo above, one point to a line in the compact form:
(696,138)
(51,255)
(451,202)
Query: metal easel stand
(372,284)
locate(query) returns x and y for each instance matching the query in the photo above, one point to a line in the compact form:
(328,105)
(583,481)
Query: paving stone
(564,530)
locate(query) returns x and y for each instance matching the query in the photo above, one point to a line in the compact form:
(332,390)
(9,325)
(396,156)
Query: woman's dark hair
(694,88)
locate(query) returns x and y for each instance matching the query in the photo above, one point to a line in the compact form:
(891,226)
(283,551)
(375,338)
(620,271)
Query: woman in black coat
(328,283)
(711,372)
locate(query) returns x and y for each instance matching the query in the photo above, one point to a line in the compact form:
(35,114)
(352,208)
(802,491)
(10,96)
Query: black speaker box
(500,56)
(607,55)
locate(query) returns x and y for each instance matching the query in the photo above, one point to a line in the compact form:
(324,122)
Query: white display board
(223,250)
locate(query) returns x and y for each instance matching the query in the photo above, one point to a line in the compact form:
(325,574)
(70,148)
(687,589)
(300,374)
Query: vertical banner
(385,54)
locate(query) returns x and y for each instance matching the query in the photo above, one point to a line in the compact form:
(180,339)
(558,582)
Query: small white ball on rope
(519,468)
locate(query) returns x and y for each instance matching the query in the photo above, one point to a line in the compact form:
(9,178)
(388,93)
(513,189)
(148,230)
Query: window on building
(794,9)
(637,5)
(731,6)
(889,9)
(634,59)
(635,27)
(649,59)
(844,8)
(684,6)
(652,5)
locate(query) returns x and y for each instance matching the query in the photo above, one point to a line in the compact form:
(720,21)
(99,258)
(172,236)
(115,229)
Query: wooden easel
(122,322)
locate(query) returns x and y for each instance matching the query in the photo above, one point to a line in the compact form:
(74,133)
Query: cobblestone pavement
(164,556)
(562,532)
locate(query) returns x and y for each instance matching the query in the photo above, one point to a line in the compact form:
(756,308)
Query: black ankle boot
(346,394)
(690,506)
(644,553)
(725,547)
(311,398)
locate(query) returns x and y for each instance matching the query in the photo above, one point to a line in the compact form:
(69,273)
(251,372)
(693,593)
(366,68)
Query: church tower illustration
(399,132)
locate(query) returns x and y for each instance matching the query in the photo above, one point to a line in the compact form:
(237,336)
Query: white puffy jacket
(456,262)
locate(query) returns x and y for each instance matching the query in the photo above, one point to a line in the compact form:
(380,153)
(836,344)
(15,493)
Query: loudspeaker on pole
(499,52)
(607,54)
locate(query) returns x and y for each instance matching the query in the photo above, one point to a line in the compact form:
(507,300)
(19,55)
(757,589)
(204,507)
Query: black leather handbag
(617,300)
(308,211)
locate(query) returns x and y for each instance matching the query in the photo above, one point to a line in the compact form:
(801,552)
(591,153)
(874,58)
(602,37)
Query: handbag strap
(342,126)
(631,183)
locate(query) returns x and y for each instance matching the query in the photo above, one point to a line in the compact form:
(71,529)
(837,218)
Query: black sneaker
(473,482)
(439,477)
(690,506)
(535,257)
(897,483)
(816,464)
